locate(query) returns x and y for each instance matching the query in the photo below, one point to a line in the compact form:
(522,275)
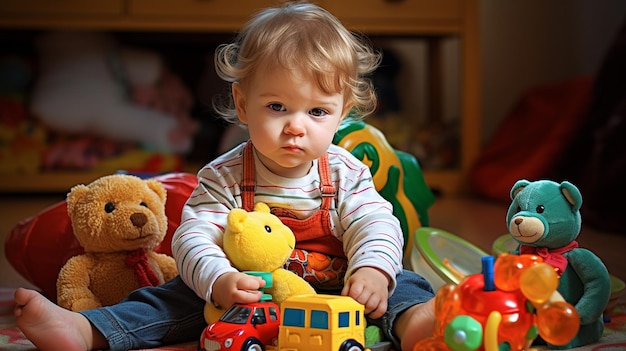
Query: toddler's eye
(268,229)
(318,112)
(276,107)
(540,209)
(109,207)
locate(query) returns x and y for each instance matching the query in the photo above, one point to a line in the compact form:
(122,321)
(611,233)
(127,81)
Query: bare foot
(51,327)
(415,324)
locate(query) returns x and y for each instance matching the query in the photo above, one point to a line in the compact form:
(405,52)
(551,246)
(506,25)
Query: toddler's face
(290,119)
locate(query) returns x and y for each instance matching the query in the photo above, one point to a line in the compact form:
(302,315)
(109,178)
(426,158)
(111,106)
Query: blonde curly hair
(306,37)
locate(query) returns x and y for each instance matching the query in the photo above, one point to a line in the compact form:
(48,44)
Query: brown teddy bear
(118,219)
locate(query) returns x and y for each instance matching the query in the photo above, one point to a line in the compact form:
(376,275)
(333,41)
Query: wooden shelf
(420,18)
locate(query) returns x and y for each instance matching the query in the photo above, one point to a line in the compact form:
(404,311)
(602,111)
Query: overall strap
(327,187)
(248,181)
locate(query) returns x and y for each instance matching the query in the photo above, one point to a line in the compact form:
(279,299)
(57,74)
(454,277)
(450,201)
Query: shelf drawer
(198,15)
(389,16)
(37,8)
(198,8)
(395,10)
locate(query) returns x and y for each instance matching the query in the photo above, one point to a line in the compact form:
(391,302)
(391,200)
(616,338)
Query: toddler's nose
(295,126)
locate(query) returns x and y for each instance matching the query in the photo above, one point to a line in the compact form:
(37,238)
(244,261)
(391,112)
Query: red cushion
(532,137)
(39,246)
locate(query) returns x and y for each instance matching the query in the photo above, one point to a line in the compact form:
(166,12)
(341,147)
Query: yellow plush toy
(259,241)
(119,220)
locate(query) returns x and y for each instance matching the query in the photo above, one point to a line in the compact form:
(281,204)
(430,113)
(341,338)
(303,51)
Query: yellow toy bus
(321,322)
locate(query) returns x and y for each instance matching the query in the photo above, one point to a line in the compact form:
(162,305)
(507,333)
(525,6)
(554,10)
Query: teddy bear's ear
(236,218)
(158,188)
(572,195)
(75,194)
(519,185)
(261,207)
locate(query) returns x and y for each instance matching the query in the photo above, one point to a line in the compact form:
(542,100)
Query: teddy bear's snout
(518,220)
(138,219)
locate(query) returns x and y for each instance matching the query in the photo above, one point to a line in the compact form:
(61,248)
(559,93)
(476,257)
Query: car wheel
(351,345)
(253,344)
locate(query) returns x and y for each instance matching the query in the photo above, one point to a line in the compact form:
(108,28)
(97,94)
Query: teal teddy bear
(544,218)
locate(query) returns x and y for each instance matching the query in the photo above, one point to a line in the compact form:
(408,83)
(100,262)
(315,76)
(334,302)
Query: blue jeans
(172,313)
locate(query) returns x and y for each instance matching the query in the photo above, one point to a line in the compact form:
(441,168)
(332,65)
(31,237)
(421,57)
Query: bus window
(294,317)
(357,321)
(344,319)
(319,319)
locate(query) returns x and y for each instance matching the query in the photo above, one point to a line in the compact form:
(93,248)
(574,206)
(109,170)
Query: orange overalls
(318,256)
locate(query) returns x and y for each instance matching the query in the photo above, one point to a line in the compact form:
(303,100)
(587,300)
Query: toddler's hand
(369,286)
(236,287)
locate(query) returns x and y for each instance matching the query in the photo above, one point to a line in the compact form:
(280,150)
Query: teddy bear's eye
(109,207)
(540,209)
(268,229)
(143,204)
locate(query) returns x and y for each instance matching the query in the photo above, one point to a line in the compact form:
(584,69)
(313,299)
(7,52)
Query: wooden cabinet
(432,19)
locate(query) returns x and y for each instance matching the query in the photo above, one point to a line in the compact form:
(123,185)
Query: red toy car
(244,327)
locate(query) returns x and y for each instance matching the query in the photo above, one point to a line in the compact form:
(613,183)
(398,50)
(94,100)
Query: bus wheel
(351,345)
(253,344)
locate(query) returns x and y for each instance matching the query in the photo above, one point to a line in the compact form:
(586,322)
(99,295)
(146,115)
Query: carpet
(12,339)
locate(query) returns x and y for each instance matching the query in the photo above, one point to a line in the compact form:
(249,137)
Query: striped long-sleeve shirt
(362,219)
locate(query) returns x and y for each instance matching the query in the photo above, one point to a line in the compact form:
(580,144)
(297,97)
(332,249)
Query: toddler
(295,73)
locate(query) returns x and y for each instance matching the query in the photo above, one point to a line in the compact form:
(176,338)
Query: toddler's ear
(239,98)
